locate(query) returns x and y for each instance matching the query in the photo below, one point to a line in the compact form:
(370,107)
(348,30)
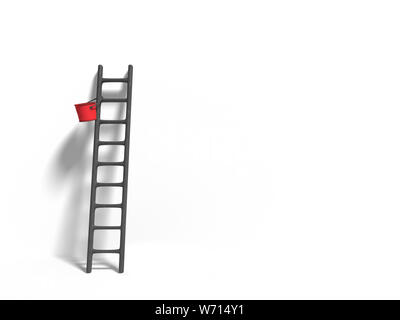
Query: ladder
(96,164)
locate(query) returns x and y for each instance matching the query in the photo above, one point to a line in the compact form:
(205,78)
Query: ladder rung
(114,100)
(106,227)
(114,79)
(112,121)
(114,143)
(109,184)
(108,163)
(112,205)
(106,251)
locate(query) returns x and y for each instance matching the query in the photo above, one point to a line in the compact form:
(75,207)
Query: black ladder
(96,164)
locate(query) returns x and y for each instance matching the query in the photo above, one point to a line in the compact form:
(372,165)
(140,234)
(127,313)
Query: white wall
(265,147)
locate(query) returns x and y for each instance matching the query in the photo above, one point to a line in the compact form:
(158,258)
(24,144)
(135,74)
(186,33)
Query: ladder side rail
(125,176)
(94,170)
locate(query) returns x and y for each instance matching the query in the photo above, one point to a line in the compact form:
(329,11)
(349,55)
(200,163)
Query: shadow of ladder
(96,163)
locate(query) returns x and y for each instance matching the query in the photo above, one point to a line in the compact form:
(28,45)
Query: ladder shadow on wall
(71,172)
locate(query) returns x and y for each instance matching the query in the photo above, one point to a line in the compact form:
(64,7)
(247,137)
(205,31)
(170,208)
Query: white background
(265,155)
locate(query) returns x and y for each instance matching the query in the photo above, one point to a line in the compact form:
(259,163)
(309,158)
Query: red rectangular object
(86,111)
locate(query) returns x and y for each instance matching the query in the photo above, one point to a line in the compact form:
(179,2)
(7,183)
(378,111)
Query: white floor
(199,272)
